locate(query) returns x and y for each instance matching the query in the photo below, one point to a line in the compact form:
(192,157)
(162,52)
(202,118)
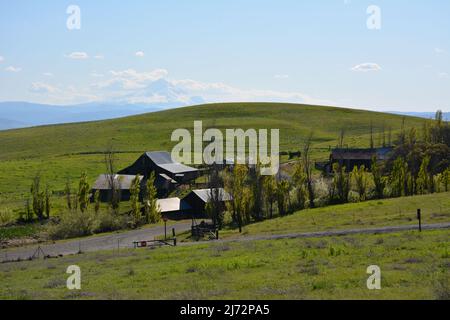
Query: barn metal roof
(160,157)
(164,160)
(122,182)
(205,194)
(177,168)
(172,205)
(167,178)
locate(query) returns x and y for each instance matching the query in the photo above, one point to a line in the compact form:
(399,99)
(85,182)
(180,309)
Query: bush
(79,224)
(72,225)
(107,222)
(353,197)
(7,216)
(321,191)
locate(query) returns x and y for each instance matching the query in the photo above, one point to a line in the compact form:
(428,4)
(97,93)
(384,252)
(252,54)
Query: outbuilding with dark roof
(119,181)
(197,200)
(161,162)
(357,157)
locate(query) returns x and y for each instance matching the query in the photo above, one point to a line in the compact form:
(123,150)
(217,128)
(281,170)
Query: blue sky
(235,50)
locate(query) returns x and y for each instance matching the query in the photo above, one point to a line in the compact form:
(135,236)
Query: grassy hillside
(60,152)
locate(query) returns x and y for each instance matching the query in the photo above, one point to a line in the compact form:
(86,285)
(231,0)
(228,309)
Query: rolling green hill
(59,152)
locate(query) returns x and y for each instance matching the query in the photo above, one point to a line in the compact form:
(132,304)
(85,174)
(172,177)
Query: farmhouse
(119,181)
(197,200)
(166,170)
(357,157)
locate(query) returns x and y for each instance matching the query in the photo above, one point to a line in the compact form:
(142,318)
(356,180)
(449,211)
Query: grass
(61,152)
(20,231)
(371,214)
(413,266)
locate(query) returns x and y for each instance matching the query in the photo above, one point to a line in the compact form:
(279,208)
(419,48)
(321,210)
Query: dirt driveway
(96,243)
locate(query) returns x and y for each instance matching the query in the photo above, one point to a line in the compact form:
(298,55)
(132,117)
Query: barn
(197,200)
(357,157)
(161,163)
(121,183)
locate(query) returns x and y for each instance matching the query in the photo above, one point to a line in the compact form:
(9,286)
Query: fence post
(419,216)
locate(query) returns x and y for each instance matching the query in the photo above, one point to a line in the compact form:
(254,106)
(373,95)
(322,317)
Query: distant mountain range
(425,115)
(23,114)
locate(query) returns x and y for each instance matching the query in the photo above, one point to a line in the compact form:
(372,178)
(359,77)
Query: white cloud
(140,54)
(13,69)
(443,75)
(2,59)
(366,67)
(131,79)
(148,87)
(48,74)
(61,95)
(151,87)
(78,56)
(41,87)
(99,57)
(439,50)
(281,76)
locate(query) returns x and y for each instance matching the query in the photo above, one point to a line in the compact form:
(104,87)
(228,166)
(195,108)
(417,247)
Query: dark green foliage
(378,179)
(135,203)
(97,201)
(38,196)
(83,192)
(47,205)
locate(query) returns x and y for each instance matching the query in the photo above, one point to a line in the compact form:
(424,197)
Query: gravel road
(96,243)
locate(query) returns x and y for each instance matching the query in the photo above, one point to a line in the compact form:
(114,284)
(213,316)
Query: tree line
(417,165)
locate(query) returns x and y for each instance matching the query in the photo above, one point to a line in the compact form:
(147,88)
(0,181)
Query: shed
(121,182)
(197,200)
(358,157)
(173,208)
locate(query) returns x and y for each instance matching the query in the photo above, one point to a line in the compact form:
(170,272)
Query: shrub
(353,197)
(321,192)
(107,222)
(78,224)
(72,225)
(7,216)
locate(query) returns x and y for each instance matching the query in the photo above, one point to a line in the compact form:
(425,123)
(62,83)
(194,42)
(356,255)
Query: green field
(413,266)
(59,152)
(370,214)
